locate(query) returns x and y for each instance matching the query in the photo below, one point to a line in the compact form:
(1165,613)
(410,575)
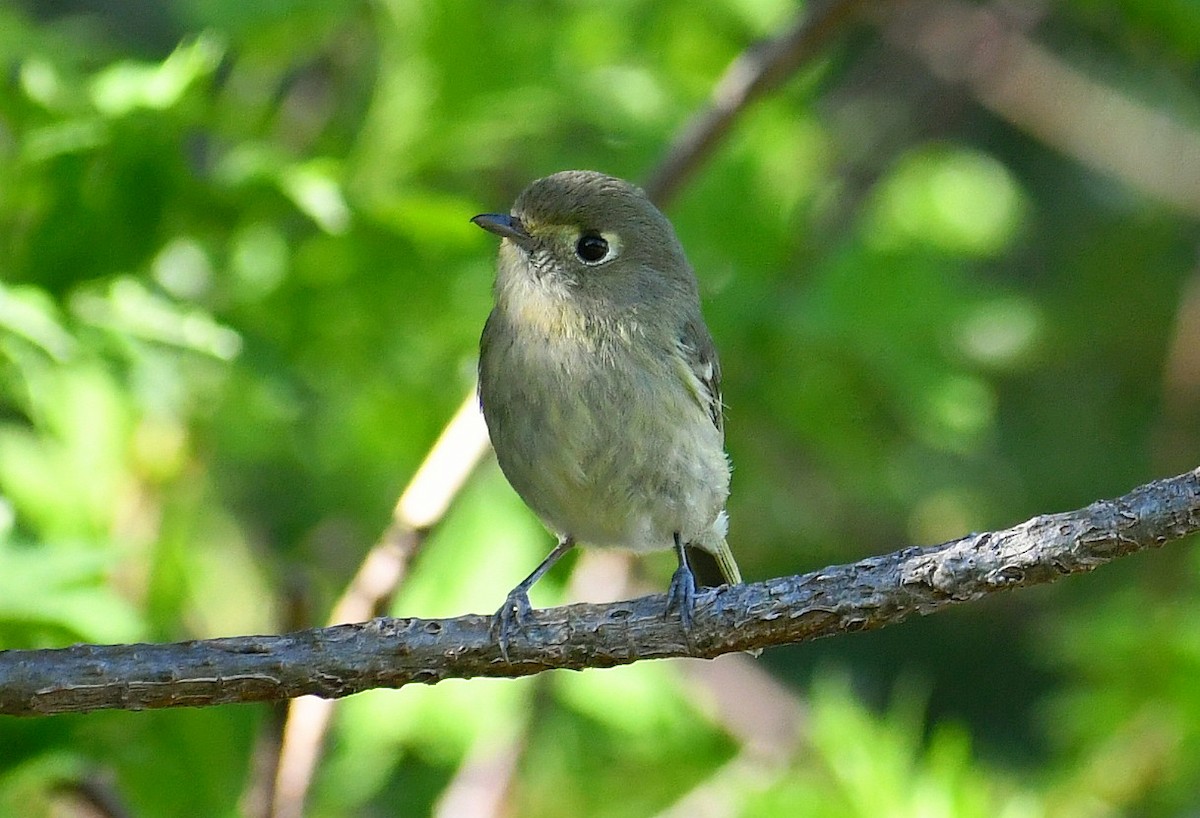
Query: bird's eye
(592,248)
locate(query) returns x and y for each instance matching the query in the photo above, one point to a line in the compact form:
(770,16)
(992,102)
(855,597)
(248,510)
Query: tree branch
(388,652)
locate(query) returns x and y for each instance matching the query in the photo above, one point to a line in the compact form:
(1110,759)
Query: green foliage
(240,297)
(866,764)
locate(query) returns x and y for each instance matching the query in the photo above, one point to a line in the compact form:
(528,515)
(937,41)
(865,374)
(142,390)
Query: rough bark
(393,652)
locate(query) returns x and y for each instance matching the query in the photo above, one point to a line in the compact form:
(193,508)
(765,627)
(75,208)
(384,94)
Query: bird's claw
(510,619)
(682,595)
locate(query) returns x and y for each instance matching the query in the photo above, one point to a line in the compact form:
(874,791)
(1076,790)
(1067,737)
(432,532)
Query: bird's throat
(540,308)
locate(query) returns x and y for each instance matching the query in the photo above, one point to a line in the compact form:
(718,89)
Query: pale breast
(599,445)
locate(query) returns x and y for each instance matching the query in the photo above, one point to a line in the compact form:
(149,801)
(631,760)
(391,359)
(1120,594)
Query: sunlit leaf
(128,85)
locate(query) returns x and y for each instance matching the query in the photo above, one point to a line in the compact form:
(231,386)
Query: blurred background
(951,266)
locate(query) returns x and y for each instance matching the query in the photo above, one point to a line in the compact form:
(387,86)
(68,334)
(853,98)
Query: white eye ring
(594,248)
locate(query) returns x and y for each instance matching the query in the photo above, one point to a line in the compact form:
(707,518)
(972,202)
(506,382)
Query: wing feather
(698,352)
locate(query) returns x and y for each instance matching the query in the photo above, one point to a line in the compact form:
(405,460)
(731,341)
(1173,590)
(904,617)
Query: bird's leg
(682,592)
(515,611)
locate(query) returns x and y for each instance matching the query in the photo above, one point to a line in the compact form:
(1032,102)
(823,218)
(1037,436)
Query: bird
(600,383)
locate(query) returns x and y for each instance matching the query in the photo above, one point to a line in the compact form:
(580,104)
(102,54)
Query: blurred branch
(757,70)
(768,720)
(94,796)
(459,448)
(982,48)
(387,652)
(482,783)
(1177,433)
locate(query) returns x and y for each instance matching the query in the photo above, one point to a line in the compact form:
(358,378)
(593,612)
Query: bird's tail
(718,551)
(713,557)
(721,553)
(727,564)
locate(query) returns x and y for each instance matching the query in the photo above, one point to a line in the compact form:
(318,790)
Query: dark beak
(502,224)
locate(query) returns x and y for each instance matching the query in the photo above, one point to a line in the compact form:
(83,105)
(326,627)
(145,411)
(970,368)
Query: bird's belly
(608,461)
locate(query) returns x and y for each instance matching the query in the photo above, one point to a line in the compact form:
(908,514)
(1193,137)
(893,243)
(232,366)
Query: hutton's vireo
(599,381)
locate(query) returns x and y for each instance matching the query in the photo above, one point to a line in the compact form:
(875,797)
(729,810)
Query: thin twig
(757,70)
(387,652)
